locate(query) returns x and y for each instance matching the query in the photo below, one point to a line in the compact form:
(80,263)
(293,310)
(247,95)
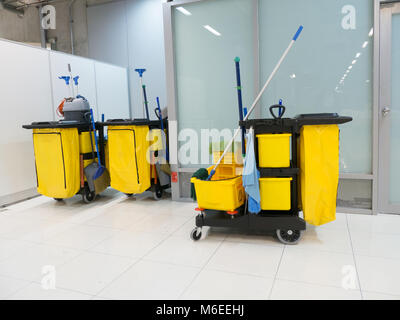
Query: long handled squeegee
(257,99)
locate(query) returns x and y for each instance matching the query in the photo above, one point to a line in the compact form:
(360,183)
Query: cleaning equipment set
(131,145)
(64,156)
(287,160)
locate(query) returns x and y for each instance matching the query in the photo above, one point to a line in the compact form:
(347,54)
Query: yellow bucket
(224,195)
(274,150)
(275,193)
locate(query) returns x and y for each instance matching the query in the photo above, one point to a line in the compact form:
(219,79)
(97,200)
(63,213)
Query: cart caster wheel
(289,236)
(195,235)
(88,196)
(58,199)
(158,194)
(129,194)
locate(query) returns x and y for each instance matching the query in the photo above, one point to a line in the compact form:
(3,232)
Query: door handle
(385,111)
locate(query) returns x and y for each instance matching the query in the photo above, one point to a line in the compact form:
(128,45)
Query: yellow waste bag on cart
(319,172)
(128,156)
(57,161)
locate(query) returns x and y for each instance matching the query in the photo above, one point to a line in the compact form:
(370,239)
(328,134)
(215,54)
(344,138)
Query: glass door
(389,104)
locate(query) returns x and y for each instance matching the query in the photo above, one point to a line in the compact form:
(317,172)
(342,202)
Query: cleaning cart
(135,149)
(65,158)
(63,149)
(298,162)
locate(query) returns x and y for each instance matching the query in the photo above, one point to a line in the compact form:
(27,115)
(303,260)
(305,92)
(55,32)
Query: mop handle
(144,98)
(95,136)
(240,102)
(257,99)
(162,129)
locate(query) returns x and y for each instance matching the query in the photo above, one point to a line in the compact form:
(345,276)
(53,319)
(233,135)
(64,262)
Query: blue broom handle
(240,101)
(162,127)
(95,136)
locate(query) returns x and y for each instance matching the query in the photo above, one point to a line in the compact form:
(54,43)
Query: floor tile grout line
(65,289)
(314,283)
(8,297)
(202,268)
(354,258)
(383,293)
(135,263)
(276,273)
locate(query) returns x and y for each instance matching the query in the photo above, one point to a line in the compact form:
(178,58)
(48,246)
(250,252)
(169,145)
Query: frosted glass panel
(336,44)
(208,35)
(395,113)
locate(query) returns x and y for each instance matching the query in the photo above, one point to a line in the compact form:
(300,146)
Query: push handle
(297,34)
(281,110)
(95,136)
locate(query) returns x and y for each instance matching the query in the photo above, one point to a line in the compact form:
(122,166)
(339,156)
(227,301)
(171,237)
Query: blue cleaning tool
(280,109)
(66,79)
(144,95)
(240,102)
(76,84)
(162,128)
(101,168)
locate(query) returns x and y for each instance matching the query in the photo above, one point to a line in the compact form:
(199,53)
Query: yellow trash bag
(319,172)
(57,161)
(128,156)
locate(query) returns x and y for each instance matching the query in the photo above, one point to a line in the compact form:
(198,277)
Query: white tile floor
(139,248)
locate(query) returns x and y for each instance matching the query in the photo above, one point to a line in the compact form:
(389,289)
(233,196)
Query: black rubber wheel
(88,196)
(129,195)
(58,199)
(289,236)
(158,193)
(194,235)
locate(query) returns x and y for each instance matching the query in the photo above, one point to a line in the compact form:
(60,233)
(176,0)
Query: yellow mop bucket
(224,195)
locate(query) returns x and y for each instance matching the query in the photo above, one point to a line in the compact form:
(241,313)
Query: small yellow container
(223,195)
(229,158)
(274,150)
(275,193)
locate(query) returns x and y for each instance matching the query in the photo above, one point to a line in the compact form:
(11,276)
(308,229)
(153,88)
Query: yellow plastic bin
(274,150)
(224,195)
(275,193)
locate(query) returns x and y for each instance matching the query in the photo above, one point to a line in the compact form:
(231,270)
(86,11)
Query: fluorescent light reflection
(184,11)
(212,30)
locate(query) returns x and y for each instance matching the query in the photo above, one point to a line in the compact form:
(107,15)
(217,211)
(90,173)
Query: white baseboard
(16,197)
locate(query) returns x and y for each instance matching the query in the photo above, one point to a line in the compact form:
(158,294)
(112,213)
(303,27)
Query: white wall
(130,33)
(25,96)
(112,91)
(31,91)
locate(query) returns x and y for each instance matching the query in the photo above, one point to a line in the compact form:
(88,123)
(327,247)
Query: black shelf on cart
(153,124)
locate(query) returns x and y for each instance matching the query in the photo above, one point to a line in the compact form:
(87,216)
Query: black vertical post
(146,103)
(240,102)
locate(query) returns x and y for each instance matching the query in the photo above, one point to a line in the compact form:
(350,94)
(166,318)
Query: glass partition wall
(330,69)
